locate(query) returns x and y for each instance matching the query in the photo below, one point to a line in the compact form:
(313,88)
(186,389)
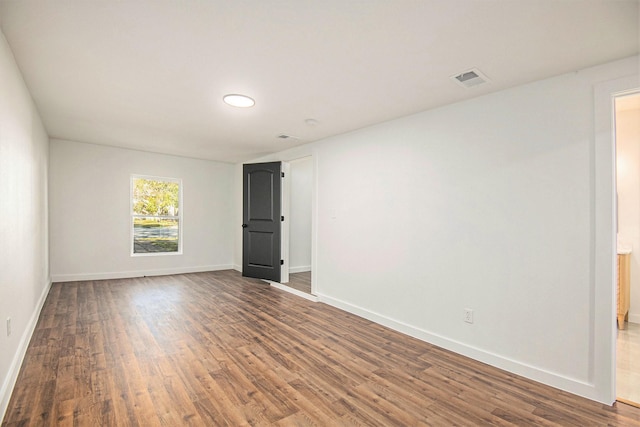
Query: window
(156,215)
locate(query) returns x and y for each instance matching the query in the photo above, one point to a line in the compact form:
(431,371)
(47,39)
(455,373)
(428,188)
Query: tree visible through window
(155,212)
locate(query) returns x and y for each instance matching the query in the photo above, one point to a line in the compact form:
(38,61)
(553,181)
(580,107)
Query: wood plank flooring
(217,349)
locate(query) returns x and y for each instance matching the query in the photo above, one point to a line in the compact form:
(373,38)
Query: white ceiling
(150,74)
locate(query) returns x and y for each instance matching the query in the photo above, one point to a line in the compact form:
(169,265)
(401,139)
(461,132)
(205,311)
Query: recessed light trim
(237,100)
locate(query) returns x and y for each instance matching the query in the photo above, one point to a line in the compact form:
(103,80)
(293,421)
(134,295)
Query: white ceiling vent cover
(470,78)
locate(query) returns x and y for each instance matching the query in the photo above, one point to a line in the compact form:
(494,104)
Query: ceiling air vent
(470,78)
(285,136)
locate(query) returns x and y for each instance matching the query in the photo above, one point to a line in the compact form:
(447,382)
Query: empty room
(322,213)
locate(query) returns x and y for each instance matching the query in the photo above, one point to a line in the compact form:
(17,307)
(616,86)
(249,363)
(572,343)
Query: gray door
(261,220)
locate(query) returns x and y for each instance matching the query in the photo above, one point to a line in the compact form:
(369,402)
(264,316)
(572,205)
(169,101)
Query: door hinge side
(281,262)
(282,218)
(283,174)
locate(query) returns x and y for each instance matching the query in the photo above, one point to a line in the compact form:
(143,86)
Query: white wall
(90,212)
(628,166)
(501,204)
(24,264)
(301,178)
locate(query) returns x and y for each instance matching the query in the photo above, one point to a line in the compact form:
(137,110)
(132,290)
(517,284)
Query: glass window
(156,215)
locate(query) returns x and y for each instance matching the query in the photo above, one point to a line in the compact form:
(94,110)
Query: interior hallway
(300,282)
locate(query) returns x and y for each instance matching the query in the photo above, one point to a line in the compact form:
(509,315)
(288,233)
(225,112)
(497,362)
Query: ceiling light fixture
(236,100)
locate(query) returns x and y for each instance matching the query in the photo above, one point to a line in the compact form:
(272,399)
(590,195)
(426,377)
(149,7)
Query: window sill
(144,254)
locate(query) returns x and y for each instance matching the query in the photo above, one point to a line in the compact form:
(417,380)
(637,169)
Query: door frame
(602,325)
(286,211)
(285,231)
(614,138)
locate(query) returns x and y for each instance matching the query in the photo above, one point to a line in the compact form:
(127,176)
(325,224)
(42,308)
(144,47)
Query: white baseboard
(18,357)
(562,382)
(634,318)
(237,267)
(138,273)
(301,269)
(293,291)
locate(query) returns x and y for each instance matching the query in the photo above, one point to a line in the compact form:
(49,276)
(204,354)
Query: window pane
(155,197)
(154,235)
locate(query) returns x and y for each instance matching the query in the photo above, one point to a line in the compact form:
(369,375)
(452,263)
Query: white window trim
(132,215)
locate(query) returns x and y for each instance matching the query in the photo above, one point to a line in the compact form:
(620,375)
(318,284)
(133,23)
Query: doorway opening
(627,149)
(300,189)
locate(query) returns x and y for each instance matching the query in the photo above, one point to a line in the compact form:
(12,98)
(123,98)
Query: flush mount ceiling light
(236,100)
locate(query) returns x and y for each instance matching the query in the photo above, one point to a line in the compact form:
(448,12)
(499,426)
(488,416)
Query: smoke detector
(470,78)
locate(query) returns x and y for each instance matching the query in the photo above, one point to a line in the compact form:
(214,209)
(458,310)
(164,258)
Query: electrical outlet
(8,326)
(468,315)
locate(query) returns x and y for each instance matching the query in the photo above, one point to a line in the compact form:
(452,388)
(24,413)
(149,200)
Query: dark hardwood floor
(216,349)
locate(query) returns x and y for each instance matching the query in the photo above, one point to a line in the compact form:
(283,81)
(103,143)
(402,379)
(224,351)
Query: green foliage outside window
(151,197)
